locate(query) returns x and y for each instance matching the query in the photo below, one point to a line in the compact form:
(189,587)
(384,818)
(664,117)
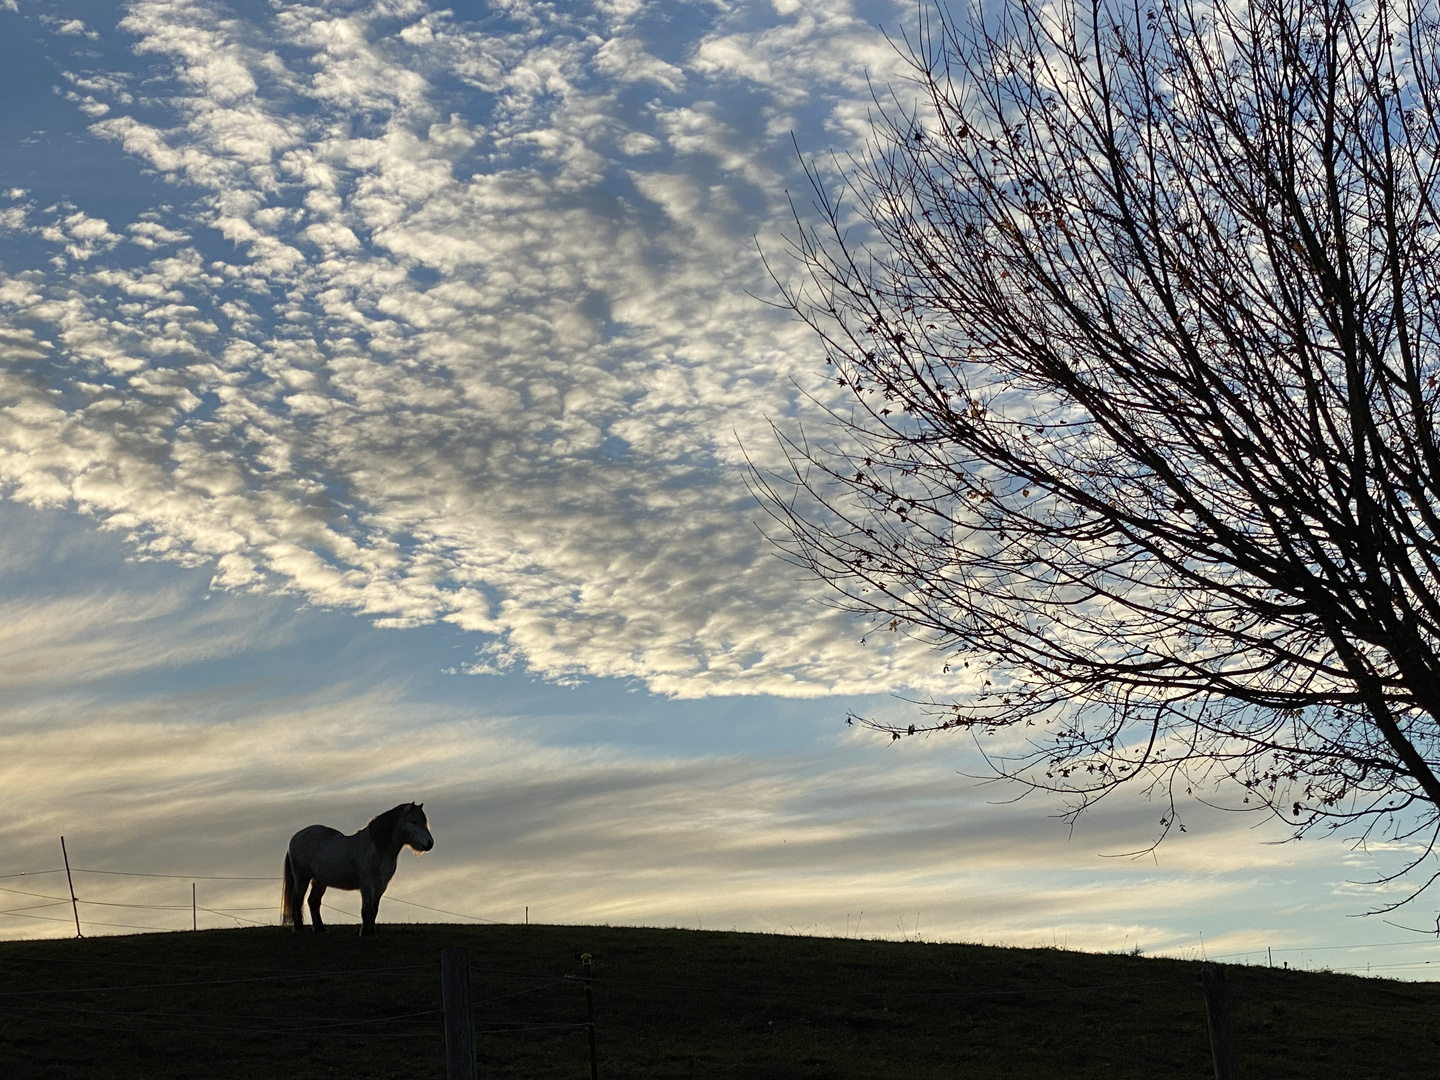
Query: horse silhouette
(321,857)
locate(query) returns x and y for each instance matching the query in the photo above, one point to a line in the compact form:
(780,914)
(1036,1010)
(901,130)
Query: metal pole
(587,959)
(74,904)
(194,919)
(1217,1016)
(459,1032)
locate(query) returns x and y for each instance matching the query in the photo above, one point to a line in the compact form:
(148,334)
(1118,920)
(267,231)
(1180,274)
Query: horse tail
(287,909)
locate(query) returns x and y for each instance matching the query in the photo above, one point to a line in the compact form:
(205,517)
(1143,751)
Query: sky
(377,385)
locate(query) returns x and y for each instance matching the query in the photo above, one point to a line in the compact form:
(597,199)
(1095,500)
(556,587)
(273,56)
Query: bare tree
(1139,305)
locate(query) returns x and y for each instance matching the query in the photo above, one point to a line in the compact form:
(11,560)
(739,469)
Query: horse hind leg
(298,883)
(317,892)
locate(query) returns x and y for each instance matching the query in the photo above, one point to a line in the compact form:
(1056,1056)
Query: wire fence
(243,914)
(171,999)
(87,911)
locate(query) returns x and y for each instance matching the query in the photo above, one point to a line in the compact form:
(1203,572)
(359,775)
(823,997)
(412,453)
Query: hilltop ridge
(674,1003)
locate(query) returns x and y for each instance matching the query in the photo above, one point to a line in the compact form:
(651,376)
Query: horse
(320,857)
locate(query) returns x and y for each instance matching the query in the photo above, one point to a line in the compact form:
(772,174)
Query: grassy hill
(675,1003)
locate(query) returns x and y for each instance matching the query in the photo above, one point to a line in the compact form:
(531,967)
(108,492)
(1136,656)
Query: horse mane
(382,827)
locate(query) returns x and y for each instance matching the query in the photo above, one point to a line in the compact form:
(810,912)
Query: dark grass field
(263,1003)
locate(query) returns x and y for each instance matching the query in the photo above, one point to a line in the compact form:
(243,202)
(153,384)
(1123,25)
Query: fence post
(459,1033)
(587,959)
(74,904)
(1217,1017)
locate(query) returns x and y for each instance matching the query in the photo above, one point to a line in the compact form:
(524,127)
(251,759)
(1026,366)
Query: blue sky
(377,384)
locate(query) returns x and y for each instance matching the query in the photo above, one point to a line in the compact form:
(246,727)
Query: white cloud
(87,104)
(152,234)
(81,235)
(625,59)
(111,85)
(74,28)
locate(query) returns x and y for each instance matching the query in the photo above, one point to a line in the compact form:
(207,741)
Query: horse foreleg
(369,908)
(317,892)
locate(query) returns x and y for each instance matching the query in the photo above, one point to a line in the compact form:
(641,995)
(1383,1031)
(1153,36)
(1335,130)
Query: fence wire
(229,914)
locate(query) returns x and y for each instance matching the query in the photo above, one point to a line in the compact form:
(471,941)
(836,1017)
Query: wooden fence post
(74,904)
(459,1032)
(1217,1017)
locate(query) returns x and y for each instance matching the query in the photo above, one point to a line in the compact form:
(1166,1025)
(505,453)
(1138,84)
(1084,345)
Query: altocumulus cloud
(445,319)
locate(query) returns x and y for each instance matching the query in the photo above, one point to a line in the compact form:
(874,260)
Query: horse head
(404,824)
(414,829)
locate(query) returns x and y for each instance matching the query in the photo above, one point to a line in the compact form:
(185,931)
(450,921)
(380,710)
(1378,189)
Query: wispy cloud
(597,833)
(165,733)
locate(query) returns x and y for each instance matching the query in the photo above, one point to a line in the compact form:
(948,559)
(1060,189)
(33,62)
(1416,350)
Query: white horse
(320,856)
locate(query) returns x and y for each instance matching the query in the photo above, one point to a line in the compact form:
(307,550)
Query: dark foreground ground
(675,1003)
